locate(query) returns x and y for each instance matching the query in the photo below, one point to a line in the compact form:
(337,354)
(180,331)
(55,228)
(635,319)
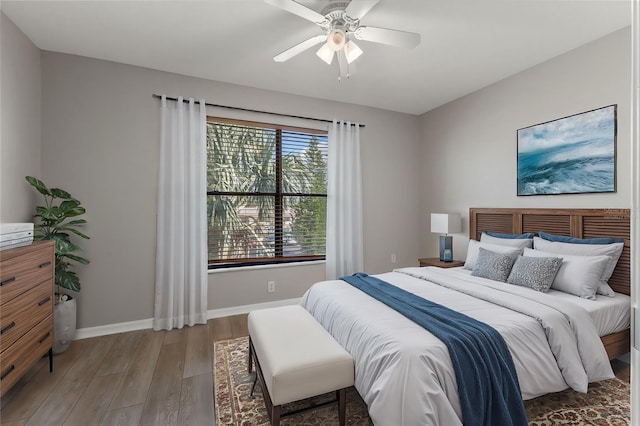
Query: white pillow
(578,275)
(509,242)
(605,290)
(474,248)
(613,251)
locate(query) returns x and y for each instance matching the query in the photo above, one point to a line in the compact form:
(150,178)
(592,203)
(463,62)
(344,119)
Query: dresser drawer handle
(7,281)
(45,264)
(7,328)
(45,300)
(6,373)
(43,338)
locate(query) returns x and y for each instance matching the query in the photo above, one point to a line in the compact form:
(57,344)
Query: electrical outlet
(271,287)
(393,258)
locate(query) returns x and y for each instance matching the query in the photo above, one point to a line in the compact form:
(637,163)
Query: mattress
(404,373)
(609,314)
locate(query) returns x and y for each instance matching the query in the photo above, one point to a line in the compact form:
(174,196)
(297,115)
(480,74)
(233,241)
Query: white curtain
(344,202)
(181,241)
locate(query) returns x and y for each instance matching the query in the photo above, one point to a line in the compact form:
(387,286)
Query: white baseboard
(123,327)
(245,309)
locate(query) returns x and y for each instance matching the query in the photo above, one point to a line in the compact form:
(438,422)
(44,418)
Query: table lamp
(445,223)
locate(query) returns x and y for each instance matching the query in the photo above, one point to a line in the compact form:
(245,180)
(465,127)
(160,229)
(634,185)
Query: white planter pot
(64,319)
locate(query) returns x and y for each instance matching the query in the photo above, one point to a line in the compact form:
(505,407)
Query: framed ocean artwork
(570,155)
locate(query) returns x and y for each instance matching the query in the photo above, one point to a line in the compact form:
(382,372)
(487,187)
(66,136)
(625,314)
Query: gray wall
(101,130)
(469,145)
(97,133)
(20,138)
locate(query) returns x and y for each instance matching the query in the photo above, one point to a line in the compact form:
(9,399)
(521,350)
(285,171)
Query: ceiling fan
(340,23)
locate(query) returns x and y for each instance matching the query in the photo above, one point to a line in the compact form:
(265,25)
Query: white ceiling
(466,44)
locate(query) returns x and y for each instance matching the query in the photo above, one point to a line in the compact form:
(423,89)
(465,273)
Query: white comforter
(404,373)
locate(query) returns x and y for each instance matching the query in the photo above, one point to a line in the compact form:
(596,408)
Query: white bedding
(404,373)
(609,314)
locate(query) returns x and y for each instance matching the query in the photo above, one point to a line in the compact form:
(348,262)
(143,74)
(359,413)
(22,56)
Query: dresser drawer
(20,314)
(20,273)
(20,356)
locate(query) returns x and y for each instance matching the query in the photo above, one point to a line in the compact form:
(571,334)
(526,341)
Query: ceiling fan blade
(389,37)
(298,9)
(342,62)
(358,8)
(299,48)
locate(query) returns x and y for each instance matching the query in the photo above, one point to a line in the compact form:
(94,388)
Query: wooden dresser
(26,309)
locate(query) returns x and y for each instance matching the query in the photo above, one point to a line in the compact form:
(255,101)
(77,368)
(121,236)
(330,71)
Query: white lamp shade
(445,223)
(325,53)
(352,51)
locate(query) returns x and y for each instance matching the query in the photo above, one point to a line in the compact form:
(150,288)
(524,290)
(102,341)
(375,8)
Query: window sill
(271,266)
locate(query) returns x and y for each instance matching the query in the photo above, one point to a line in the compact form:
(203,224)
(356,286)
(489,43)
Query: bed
(580,223)
(404,373)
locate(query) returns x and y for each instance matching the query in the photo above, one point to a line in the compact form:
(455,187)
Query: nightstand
(435,261)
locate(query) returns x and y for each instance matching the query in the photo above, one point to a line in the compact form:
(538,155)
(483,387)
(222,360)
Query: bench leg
(275,415)
(342,405)
(273,411)
(249,365)
(253,386)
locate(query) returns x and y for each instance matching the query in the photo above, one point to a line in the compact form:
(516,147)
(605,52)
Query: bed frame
(581,223)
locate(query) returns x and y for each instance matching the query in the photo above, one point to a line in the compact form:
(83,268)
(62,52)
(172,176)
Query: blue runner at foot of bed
(486,376)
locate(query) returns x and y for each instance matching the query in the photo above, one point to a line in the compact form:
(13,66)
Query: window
(266,193)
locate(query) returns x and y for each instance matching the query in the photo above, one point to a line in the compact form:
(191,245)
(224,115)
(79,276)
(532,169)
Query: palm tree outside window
(266,193)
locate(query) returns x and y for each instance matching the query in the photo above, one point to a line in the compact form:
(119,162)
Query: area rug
(607,402)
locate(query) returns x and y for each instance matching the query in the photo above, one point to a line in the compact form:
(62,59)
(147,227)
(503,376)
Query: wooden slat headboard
(580,223)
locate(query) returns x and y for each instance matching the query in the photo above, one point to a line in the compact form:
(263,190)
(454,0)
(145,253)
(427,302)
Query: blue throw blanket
(487,381)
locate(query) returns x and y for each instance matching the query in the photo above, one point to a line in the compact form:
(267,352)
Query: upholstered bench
(296,358)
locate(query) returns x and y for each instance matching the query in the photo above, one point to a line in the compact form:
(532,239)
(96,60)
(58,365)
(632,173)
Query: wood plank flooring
(137,378)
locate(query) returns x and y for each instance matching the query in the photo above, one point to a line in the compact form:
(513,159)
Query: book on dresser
(14,235)
(26,309)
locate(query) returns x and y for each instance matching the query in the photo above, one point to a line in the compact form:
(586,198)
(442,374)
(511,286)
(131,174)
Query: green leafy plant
(55,221)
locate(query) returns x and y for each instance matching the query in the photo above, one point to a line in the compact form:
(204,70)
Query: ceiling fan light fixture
(352,51)
(336,39)
(326,53)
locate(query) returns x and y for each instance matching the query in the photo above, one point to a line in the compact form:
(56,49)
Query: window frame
(279,195)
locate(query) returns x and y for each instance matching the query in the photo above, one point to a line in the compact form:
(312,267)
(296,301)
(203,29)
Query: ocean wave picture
(571,155)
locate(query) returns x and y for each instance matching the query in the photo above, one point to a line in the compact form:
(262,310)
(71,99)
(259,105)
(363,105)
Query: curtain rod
(253,110)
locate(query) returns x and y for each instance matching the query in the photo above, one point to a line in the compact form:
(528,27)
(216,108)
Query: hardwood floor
(137,378)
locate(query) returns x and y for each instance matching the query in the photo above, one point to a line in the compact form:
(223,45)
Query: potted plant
(56,220)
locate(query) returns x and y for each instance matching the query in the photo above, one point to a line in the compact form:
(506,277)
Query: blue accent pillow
(524,236)
(574,240)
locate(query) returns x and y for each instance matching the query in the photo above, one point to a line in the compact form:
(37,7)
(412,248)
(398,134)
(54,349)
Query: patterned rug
(607,402)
